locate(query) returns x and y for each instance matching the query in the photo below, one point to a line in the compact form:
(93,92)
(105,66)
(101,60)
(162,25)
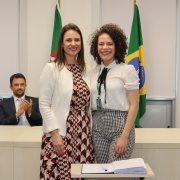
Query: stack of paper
(130,166)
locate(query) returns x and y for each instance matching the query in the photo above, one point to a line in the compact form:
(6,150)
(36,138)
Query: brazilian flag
(136,58)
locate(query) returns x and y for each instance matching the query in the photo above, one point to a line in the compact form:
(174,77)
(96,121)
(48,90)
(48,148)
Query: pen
(104,168)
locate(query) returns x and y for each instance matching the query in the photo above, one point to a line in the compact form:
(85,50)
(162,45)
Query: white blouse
(119,79)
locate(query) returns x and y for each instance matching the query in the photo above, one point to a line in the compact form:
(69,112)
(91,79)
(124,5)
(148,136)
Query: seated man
(20,109)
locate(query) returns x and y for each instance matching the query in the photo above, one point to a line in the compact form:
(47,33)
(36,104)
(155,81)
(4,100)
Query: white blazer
(56,88)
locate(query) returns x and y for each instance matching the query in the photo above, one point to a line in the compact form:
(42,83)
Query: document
(130,166)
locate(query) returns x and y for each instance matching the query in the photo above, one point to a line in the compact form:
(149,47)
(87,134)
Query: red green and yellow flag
(136,58)
(56,31)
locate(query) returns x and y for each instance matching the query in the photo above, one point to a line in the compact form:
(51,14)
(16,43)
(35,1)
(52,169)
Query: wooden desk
(27,154)
(8,134)
(76,173)
(20,152)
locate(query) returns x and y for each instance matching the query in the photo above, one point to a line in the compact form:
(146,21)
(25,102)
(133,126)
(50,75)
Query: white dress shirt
(16,102)
(119,79)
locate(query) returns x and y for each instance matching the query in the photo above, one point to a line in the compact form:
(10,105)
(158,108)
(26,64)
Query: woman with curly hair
(114,91)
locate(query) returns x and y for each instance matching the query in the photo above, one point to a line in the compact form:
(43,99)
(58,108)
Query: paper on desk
(129,166)
(97,168)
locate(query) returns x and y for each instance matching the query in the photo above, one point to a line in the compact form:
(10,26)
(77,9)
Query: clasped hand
(25,106)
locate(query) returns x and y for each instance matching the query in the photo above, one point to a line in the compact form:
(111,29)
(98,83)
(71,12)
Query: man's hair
(17,75)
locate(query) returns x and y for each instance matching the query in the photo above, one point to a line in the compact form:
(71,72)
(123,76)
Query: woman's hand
(57,142)
(120,146)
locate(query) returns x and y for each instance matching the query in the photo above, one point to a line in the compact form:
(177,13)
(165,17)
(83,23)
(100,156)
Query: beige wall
(36,25)
(177,101)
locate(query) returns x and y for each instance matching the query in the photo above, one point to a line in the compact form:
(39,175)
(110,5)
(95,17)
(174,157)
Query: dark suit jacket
(8,111)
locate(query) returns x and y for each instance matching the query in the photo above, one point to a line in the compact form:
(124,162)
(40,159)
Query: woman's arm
(47,84)
(46,90)
(121,144)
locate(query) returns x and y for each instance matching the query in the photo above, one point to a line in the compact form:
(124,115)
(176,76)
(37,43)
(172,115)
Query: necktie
(102,80)
(20,117)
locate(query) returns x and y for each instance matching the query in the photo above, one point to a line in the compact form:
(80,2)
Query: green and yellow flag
(56,31)
(136,58)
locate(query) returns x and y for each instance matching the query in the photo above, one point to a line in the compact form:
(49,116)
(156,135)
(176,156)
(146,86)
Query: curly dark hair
(60,57)
(117,35)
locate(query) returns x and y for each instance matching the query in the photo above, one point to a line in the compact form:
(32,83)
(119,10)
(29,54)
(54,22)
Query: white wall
(9,43)
(177,101)
(36,26)
(159,39)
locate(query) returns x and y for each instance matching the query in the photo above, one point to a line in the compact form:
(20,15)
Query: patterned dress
(77,142)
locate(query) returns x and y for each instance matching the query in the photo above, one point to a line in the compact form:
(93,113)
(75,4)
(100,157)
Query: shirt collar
(111,65)
(16,98)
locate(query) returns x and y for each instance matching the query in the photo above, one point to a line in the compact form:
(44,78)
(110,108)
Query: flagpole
(59,2)
(134,4)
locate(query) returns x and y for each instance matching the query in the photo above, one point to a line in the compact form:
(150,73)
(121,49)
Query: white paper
(97,168)
(130,166)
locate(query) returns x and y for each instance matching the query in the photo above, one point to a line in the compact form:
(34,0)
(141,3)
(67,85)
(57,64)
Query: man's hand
(20,110)
(27,105)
